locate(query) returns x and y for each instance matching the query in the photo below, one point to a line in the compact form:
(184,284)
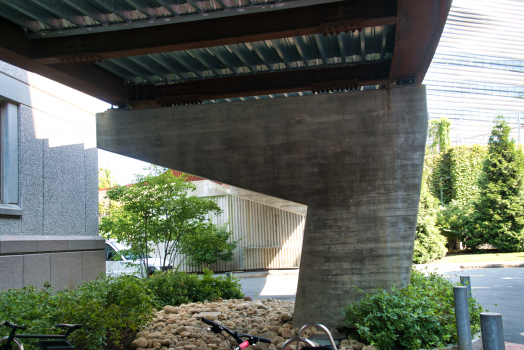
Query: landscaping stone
(209,315)
(181,328)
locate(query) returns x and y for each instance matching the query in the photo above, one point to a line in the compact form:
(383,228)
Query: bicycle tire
(15,340)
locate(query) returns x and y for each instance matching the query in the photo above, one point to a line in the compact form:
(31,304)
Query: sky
(121,167)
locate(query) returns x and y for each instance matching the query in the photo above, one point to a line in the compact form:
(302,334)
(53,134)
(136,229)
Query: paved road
(278,287)
(502,291)
(498,290)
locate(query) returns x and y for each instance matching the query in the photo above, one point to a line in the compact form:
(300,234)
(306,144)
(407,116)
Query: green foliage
(175,287)
(498,216)
(105,179)
(437,173)
(419,316)
(104,307)
(157,210)
(429,243)
(108,306)
(208,245)
(452,177)
(452,220)
(466,163)
(438,135)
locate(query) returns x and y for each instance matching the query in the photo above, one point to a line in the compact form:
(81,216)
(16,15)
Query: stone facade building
(48,183)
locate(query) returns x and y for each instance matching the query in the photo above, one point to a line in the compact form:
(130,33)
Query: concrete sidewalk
(470,265)
(263,273)
(430,267)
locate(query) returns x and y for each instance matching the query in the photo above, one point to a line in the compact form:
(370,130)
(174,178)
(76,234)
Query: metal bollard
(466,281)
(492,331)
(460,295)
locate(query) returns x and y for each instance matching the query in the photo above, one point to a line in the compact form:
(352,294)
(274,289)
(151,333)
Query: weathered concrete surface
(354,158)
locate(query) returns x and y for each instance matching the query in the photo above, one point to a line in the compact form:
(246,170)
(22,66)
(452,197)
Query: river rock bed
(180,328)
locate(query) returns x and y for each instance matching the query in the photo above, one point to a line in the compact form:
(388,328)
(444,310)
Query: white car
(128,264)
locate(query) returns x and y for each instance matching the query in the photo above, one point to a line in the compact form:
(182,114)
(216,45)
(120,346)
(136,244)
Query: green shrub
(419,316)
(429,243)
(175,287)
(104,306)
(108,306)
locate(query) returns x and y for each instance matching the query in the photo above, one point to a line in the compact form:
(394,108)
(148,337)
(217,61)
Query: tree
(429,243)
(498,218)
(157,211)
(105,179)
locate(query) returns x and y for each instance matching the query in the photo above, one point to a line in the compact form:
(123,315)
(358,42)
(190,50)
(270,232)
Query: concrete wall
(52,234)
(355,159)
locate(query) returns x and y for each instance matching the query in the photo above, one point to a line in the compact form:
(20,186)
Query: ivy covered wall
(453,175)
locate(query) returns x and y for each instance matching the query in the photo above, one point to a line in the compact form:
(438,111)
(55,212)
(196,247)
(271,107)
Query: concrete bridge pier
(354,158)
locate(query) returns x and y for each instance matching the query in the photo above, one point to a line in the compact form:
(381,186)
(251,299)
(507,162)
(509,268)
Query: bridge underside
(354,158)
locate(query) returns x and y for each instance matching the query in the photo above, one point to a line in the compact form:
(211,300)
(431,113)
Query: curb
(472,265)
(430,266)
(255,274)
(476,344)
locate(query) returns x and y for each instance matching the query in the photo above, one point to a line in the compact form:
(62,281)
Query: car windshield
(125,251)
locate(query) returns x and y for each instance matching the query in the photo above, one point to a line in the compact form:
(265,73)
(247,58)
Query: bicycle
(6,343)
(219,329)
(252,339)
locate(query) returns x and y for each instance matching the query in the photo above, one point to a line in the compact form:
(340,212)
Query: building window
(9,184)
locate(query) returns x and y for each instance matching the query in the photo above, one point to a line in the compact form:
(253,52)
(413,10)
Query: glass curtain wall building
(477,72)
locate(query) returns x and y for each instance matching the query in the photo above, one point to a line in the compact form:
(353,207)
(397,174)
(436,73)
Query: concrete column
(354,158)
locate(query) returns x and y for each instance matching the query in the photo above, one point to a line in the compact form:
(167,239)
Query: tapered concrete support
(354,158)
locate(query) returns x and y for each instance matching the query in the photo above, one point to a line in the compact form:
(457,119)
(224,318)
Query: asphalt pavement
(497,289)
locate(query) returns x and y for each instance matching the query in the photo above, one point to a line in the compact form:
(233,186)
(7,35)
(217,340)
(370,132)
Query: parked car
(127,263)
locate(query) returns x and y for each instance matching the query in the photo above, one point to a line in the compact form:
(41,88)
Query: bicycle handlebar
(12,325)
(252,339)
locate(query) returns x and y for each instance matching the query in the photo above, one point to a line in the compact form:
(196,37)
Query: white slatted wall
(270,238)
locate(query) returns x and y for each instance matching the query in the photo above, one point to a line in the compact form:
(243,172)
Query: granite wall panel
(37,269)
(66,270)
(92,264)
(11,273)
(31,175)
(64,190)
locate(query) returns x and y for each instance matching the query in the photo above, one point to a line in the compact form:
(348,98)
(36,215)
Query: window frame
(9,161)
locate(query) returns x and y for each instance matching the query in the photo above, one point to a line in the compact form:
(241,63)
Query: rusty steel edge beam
(214,32)
(419,27)
(316,80)
(89,79)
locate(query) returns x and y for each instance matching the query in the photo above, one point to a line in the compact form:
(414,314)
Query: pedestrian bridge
(318,102)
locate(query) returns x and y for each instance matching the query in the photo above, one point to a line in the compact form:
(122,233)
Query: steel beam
(316,80)
(318,19)
(419,27)
(87,78)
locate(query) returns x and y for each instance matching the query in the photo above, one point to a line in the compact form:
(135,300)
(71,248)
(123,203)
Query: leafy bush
(175,287)
(108,306)
(420,316)
(104,306)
